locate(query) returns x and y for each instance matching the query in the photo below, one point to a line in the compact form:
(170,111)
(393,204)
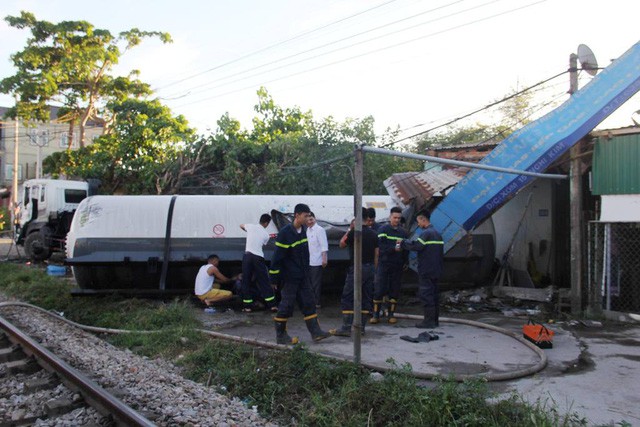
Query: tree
(288,152)
(515,110)
(147,151)
(69,63)
(285,152)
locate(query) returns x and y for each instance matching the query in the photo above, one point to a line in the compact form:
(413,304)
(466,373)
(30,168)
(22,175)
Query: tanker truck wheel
(83,276)
(36,248)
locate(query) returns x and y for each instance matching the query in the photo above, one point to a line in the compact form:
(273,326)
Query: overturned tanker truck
(157,243)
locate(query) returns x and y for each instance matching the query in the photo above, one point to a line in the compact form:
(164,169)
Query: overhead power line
(365,53)
(264,49)
(279,60)
(486,107)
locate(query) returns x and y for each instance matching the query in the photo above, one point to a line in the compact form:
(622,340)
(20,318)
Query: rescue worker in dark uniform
(430,249)
(390,267)
(369,263)
(290,268)
(371,220)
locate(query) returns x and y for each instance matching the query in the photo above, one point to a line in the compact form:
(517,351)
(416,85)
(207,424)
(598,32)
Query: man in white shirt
(206,287)
(255,268)
(318,251)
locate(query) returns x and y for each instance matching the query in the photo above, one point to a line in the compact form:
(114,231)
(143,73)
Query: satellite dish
(587,60)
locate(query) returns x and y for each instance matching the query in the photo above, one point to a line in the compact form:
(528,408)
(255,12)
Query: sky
(411,64)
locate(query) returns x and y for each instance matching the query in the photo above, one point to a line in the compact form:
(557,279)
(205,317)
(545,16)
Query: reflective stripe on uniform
(292,245)
(274,271)
(386,236)
(430,242)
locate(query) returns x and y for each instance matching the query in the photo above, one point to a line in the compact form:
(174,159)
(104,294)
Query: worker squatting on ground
(206,286)
(255,268)
(290,269)
(318,255)
(430,249)
(389,272)
(369,264)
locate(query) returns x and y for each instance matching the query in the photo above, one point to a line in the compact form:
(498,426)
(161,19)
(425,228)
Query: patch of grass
(32,285)
(167,343)
(301,388)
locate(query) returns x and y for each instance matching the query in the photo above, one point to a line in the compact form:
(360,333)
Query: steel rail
(95,395)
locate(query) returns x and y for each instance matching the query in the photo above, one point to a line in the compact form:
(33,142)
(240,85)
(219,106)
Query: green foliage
(70,63)
(169,343)
(453,135)
(34,286)
(139,155)
(5,219)
(288,152)
(515,109)
(300,388)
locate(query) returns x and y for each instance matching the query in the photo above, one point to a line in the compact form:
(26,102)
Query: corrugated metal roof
(421,186)
(615,165)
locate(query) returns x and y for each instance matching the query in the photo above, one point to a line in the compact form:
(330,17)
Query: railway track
(52,392)
(154,387)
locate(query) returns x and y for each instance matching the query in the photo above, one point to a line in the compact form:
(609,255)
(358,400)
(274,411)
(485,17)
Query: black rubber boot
(345,329)
(376,313)
(282,337)
(392,309)
(429,321)
(314,328)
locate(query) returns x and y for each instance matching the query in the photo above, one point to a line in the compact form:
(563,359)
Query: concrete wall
(530,230)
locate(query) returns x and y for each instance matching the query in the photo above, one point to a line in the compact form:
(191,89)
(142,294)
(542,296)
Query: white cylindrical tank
(121,241)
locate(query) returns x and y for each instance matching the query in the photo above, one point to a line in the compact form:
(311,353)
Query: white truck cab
(45,213)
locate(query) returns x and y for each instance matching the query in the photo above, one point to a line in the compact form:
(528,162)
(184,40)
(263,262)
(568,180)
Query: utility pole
(14,190)
(357,255)
(575,203)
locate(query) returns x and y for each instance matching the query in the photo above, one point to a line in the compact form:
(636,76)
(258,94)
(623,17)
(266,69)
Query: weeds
(301,388)
(34,286)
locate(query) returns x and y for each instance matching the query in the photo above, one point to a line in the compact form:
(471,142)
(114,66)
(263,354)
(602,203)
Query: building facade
(35,142)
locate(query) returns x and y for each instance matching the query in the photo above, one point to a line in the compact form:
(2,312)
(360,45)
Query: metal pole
(573,73)
(575,203)
(39,162)
(16,166)
(606,276)
(461,163)
(357,255)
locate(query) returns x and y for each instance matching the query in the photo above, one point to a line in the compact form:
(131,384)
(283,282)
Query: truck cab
(44,215)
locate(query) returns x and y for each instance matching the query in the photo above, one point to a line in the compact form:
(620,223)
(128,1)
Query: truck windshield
(74,196)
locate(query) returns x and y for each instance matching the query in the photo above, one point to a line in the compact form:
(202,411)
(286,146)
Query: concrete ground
(8,251)
(592,369)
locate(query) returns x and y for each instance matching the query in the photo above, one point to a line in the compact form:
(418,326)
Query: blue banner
(535,147)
